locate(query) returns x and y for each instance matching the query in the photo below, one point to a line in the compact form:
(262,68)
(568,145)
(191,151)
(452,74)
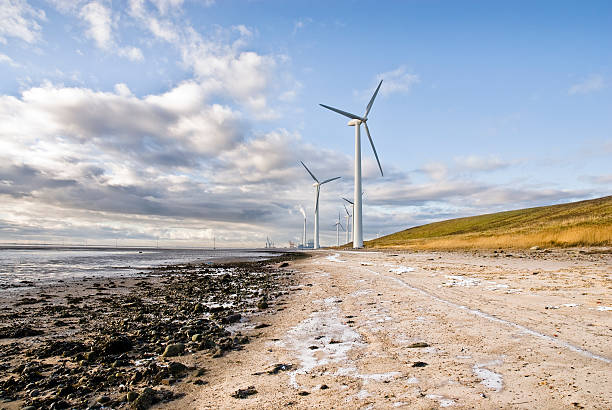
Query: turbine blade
(329,180)
(350,202)
(372,101)
(346,210)
(311,174)
(373,149)
(346,114)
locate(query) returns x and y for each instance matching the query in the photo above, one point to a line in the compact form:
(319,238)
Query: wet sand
(530,329)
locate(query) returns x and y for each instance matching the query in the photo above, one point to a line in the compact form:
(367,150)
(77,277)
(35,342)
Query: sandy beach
(496,329)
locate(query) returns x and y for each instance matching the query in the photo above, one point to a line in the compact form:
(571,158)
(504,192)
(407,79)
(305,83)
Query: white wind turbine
(338,225)
(356,122)
(348,224)
(304,234)
(317,185)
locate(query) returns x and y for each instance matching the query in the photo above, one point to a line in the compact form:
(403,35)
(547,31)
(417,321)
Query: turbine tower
(304,234)
(317,186)
(356,122)
(338,225)
(348,223)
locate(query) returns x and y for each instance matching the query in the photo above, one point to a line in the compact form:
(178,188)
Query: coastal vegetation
(584,223)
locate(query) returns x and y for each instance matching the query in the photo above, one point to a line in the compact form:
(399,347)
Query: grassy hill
(584,223)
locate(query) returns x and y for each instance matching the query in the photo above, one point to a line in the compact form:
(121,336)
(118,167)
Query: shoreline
(101,341)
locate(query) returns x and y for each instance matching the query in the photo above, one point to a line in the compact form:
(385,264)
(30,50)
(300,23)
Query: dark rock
(117,345)
(131,396)
(324,387)
(18,332)
(177,369)
(283,265)
(419,364)
(103,399)
(244,393)
(262,304)
(418,344)
(144,400)
(303,393)
(175,349)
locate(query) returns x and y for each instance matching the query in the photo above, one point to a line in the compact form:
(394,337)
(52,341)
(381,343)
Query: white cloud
(590,84)
(20,20)
(131,53)
(98,17)
(397,81)
(4,59)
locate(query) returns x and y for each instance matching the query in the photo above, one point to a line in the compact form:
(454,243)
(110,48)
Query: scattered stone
(175,349)
(281,367)
(177,369)
(103,399)
(313,347)
(418,344)
(261,325)
(419,364)
(262,304)
(303,393)
(324,387)
(283,265)
(244,393)
(144,399)
(131,396)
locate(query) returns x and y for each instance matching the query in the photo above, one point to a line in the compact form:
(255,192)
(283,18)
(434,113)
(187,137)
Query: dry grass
(585,223)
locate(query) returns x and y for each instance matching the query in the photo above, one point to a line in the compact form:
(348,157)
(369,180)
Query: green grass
(584,223)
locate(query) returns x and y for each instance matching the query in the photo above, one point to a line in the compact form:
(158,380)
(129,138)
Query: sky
(136,121)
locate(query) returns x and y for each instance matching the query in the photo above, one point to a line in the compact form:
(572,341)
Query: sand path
(428,330)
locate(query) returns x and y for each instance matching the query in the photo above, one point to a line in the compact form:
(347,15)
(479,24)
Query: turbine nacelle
(354,123)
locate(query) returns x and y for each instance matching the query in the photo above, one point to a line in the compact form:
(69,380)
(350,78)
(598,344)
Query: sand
(428,330)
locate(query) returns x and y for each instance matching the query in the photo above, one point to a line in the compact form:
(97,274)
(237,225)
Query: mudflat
(489,329)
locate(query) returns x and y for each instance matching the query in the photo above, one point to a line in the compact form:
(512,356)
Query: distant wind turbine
(356,122)
(317,185)
(304,234)
(348,223)
(338,225)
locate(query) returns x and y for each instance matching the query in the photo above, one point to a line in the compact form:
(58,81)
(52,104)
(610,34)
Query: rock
(535,248)
(131,396)
(281,367)
(175,349)
(218,352)
(324,387)
(196,338)
(144,400)
(103,399)
(168,381)
(283,265)
(418,344)
(198,308)
(244,393)
(303,393)
(177,369)
(262,304)
(419,364)
(117,345)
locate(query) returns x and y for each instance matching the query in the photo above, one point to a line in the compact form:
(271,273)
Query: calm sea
(27,267)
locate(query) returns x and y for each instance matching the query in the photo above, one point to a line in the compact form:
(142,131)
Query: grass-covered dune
(584,223)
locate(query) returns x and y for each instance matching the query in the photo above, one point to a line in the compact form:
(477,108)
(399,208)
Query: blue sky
(186,119)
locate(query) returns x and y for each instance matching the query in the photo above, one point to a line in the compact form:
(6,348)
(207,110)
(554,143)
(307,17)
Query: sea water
(22,267)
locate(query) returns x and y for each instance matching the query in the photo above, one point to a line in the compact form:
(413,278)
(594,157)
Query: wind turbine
(338,225)
(348,224)
(353,215)
(304,234)
(317,185)
(356,122)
